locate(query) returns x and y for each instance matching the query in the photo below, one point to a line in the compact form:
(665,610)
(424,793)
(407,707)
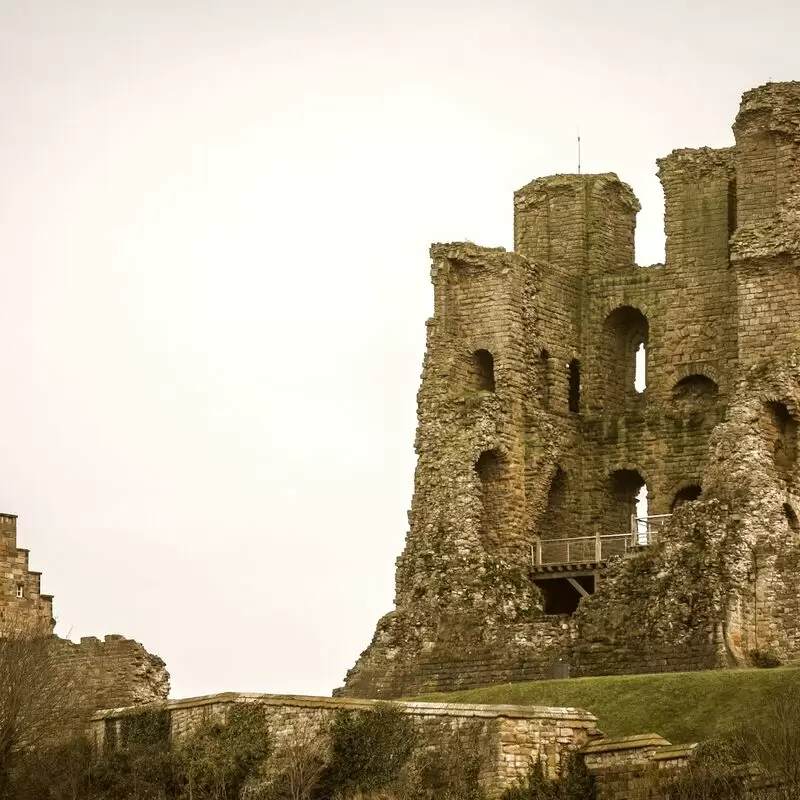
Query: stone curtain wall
(32,607)
(112,673)
(109,673)
(516,733)
(559,443)
(631,767)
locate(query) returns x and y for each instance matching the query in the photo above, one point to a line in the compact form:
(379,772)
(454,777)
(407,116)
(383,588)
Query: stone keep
(533,430)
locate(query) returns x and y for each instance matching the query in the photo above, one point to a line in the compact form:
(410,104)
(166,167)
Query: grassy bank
(681,706)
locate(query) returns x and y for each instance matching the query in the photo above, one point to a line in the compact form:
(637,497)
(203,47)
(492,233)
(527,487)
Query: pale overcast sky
(214,278)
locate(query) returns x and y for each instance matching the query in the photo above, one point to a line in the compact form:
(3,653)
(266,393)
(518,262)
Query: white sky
(214,224)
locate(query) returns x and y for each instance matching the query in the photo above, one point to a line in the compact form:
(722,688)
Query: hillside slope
(681,706)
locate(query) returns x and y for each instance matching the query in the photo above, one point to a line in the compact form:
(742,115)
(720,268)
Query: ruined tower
(21,600)
(560,380)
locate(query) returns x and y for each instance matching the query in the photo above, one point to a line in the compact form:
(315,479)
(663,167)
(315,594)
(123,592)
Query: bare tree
(39,704)
(296,766)
(775,743)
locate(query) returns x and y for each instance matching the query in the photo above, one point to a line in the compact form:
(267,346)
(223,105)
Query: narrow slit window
(20,590)
(640,376)
(574,386)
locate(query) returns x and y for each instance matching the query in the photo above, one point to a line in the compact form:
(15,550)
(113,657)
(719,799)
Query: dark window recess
(575,386)
(483,370)
(559,596)
(784,436)
(732,208)
(688,494)
(544,369)
(791,517)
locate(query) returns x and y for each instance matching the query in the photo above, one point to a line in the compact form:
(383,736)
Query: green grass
(680,706)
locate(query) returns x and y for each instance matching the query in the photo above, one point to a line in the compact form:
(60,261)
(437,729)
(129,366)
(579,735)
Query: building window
(491,471)
(544,377)
(20,590)
(624,355)
(695,391)
(688,494)
(791,517)
(483,371)
(574,386)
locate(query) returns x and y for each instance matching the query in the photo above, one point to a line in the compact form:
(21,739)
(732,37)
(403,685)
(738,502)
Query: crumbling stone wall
(558,439)
(110,673)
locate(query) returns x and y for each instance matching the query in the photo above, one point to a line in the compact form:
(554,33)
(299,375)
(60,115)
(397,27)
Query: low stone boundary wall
(630,767)
(516,734)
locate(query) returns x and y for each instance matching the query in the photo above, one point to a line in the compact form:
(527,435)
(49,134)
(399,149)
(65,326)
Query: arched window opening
(782,435)
(490,468)
(695,391)
(625,339)
(791,517)
(626,500)
(554,522)
(482,371)
(574,368)
(544,377)
(688,494)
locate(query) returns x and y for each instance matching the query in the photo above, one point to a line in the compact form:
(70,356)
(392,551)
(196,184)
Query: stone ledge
(584,718)
(674,751)
(638,742)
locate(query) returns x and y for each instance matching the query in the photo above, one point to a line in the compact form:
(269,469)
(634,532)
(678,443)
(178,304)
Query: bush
(295,769)
(574,782)
(221,756)
(136,765)
(139,763)
(451,770)
(763,659)
(368,750)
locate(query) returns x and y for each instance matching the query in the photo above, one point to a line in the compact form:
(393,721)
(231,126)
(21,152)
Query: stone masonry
(110,673)
(20,589)
(560,380)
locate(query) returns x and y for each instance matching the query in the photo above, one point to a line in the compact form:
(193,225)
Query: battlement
(564,387)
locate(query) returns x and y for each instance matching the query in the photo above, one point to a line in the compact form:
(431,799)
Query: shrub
(368,750)
(763,659)
(221,756)
(574,782)
(451,770)
(295,769)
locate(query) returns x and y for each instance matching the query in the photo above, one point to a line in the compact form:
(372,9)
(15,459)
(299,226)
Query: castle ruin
(560,380)
(111,673)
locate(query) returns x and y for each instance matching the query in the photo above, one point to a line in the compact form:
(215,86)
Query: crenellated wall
(559,439)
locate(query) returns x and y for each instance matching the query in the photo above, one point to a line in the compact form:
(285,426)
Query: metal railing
(644,530)
(589,549)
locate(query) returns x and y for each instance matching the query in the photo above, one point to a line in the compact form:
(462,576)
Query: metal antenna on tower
(579,149)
